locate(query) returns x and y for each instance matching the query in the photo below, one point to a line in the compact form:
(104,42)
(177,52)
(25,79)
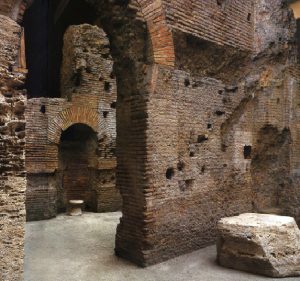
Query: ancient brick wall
(89,88)
(225,22)
(207,118)
(12,141)
(221,144)
(197,181)
(41,158)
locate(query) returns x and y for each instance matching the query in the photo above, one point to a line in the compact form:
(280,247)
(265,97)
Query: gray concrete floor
(82,249)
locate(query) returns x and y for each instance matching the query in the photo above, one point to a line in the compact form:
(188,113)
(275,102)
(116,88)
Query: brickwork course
(191,112)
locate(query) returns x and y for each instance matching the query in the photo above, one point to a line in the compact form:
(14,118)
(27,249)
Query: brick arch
(153,12)
(161,36)
(69,117)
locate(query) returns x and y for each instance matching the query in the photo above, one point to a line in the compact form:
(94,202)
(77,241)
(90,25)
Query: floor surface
(82,249)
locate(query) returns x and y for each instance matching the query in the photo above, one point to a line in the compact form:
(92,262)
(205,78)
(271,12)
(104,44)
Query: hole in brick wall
(8,94)
(249,17)
(77,79)
(107,86)
(220,92)
(224,147)
(170,173)
(271,44)
(203,168)
(231,89)
(202,138)
(186,82)
(219,112)
(43,109)
(113,105)
(224,100)
(247,151)
(113,151)
(20,128)
(112,75)
(89,69)
(189,183)
(105,56)
(180,166)
(209,126)
(192,154)
(105,114)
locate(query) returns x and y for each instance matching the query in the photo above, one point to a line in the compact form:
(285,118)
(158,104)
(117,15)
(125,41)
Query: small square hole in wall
(202,138)
(43,109)
(112,75)
(107,86)
(249,17)
(247,151)
(187,82)
(105,114)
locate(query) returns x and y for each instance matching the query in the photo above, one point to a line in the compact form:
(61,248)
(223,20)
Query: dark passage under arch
(77,161)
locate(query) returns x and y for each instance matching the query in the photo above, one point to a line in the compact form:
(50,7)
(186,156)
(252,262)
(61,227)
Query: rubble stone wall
(12,142)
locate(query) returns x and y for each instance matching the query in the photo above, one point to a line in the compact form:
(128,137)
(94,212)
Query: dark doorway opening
(77,161)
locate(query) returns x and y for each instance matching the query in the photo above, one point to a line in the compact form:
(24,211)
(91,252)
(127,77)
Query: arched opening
(77,163)
(125,52)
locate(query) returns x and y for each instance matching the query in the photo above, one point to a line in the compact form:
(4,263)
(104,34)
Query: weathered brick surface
(12,169)
(198,130)
(228,23)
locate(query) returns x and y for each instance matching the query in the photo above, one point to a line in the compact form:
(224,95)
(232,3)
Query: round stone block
(75,207)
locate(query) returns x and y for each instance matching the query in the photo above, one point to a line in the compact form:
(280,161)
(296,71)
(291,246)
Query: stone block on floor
(260,243)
